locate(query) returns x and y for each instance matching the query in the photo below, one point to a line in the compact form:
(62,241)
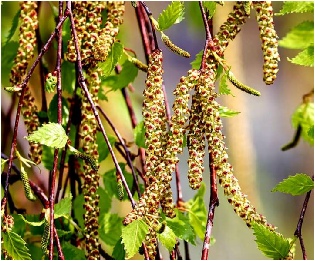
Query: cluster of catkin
(27,43)
(95,42)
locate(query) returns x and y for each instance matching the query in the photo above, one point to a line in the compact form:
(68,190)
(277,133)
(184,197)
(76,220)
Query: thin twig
(186,247)
(298,230)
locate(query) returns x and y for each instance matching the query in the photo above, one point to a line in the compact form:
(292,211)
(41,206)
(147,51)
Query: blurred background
(254,137)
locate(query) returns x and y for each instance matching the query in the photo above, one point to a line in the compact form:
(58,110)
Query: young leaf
(272,244)
(197,212)
(112,59)
(68,76)
(167,238)
(173,14)
(8,53)
(299,37)
(133,235)
(53,110)
(304,58)
(226,112)
(63,208)
(15,246)
(79,210)
(139,135)
(181,227)
(110,228)
(33,223)
(210,6)
(304,115)
(51,134)
(102,147)
(72,252)
(296,7)
(15,23)
(295,185)
(195,64)
(3,162)
(223,86)
(119,252)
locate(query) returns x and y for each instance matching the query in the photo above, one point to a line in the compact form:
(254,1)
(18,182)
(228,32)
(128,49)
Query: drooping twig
(298,230)
(214,202)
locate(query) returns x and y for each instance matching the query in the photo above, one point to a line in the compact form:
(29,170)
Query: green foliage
(36,223)
(15,246)
(295,185)
(8,53)
(167,238)
(53,110)
(304,116)
(272,244)
(51,134)
(197,213)
(210,6)
(223,86)
(195,64)
(71,252)
(63,208)
(226,112)
(15,23)
(311,132)
(173,14)
(110,228)
(305,58)
(290,7)
(299,37)
(102,147)
(119,252)
(67,76)
(113,57)
(139,134)
(133,235)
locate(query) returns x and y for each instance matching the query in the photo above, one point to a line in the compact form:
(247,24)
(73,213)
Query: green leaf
(53,110)
(51,134)
(173,14)
(63,208)
(195,64)
(127,75)
(226,112)
(304,115)
(112,59)
(139,134)
(3,162)
(197,212)
(167,238)
(72,252)
(68,77)
(110,228)
(48,157)
(105,202)
(299,37)
(79,210)
(296,7)
(272,244)
(102,147)
(15,23)
(119,252)
(15,246)
(311,132)
(33,223)
(223,86)
(210,6)
(133,235)
(305,58)
(8,53)
(295,185)
(181,227)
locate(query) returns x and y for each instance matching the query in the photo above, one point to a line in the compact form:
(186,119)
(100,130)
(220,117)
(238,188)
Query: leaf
(3,162)
(110,228)
(105,201)
(15,23)
(223,86)
(48,157)
(68,76)
(311,132)
(15,246)
(127,75)
(119,252)
(102,147)
(299,37)
(167,238)
(226,112)
(71,252)
(51,134)
(79,210)
(295,185)
(195,64)
(53,110)
(173,14)
(210,6)
(305,58)
(139,134)
(133,235)
(272,244)
(296,7)
(197,212)
(33,223)
(304,115)
(8,53)
(181,227)
(112,59)
(63,208)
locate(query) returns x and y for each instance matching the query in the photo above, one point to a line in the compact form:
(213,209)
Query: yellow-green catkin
(269,42)
(27,44)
